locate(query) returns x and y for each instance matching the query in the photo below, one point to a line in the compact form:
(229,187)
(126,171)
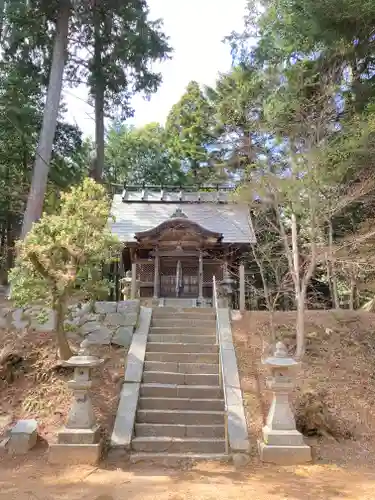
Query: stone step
(187,417)
(182,339)
(156,366)
(178,445)
(180,378)
(182,357)
(176,459)
(182,348)
(206,312)
(178,303)
(173,322)
(180,404)
(184,318)
(187,329)
(192,319)
(182,330)
(181,391)
(176,430)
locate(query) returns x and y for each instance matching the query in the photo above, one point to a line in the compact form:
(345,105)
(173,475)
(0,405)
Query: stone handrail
(214,293)
(236,434)
(215,305)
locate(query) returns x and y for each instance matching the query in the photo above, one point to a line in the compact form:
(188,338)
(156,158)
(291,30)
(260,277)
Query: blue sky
(196,29)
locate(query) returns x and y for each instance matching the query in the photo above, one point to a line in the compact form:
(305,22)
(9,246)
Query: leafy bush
(62,256)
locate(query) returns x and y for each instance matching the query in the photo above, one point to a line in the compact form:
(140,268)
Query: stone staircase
(180,412)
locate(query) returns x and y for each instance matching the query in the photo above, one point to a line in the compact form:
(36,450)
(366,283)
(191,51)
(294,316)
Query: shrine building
(176,241)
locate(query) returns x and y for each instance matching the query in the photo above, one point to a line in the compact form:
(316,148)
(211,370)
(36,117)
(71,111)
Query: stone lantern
(282,443)
(79,440)
(126,284)
(226,288)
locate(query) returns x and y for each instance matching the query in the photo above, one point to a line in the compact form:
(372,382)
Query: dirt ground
(339,363)
(33,479)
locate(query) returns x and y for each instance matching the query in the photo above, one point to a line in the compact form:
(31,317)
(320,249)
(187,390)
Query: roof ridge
(164,196)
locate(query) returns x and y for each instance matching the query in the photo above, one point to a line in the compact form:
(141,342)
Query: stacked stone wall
(98,323)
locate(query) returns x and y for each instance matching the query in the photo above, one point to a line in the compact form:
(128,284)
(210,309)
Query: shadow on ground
(32,478)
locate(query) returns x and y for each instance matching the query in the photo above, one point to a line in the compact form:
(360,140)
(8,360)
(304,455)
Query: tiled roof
(232,220)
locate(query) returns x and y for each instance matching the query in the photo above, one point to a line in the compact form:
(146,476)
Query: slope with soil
(33,384)
(336,379)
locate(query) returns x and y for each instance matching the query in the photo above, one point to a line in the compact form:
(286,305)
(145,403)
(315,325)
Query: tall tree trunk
(332,267)
(99,132)
(300,295)
(2,17)
(269,303)
(300,326)
(38,188)
(99,99)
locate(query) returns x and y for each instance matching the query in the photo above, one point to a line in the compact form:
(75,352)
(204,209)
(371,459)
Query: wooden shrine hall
(175,242)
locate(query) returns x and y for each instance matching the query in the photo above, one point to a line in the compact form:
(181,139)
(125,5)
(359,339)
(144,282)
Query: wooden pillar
(133,290)
(242,287)
(117,270)
(200,276)
(156,274)
(121,268)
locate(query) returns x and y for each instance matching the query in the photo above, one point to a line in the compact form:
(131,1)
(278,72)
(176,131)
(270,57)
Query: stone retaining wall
(104,323)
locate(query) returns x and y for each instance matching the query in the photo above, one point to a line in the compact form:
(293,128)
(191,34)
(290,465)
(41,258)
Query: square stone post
(282,443)
(242,287)
(156,274)
(200,277)
(134,281)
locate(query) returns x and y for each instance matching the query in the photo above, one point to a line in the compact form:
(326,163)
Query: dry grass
(336,376)
(36,385)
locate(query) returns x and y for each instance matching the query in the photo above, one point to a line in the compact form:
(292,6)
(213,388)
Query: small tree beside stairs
(61,257)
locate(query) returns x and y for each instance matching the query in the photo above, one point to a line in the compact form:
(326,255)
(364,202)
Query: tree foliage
(124,43)
(62,256)
(141,156)
(22,91)
(311,115)
(190,130)
(128,43)
(107,45)
(294,116)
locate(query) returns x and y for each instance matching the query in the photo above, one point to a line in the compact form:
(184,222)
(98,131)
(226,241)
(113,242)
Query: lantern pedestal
(282,443)
(284,455)
(79,441)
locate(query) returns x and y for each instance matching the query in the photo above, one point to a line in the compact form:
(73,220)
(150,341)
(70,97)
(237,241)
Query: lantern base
(278,437)
(74,454)
(76,446)
(79,436)
(284,455)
